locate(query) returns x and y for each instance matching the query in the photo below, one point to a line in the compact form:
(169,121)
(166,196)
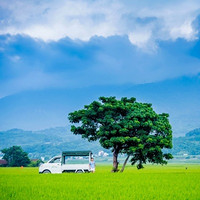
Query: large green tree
(125,126)
(15,156)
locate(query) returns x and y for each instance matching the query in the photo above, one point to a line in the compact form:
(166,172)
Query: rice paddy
(171,182)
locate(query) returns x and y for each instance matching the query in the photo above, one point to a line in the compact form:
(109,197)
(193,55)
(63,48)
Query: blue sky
(56,56)
(70,44)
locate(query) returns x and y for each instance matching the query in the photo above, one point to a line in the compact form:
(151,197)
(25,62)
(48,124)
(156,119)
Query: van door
(55,165)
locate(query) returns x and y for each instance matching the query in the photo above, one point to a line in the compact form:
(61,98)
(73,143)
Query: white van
(70,161)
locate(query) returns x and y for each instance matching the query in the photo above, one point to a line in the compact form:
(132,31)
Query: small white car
(70,161)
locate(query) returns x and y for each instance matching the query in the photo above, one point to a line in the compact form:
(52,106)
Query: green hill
(190,144)
(46,143)
(195,132)
(53,141)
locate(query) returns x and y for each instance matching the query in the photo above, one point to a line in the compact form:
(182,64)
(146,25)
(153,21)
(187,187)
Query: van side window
(76,159)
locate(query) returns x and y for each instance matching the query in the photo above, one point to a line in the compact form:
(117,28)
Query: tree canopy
(125,126)
(15,156)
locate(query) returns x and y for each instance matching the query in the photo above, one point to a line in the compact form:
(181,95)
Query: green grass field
(154,182)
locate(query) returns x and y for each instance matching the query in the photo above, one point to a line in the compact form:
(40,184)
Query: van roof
(76,153)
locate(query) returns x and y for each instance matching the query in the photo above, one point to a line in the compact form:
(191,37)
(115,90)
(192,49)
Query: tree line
(17,157)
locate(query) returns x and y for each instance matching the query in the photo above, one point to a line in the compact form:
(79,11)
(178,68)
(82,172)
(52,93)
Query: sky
(70,44)
(73,45)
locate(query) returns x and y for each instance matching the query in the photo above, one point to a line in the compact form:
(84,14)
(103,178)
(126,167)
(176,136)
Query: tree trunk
(126,160)
(115,161)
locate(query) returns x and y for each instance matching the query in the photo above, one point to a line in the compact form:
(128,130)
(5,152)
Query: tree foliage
(35,163)
(15,156)
(125,126)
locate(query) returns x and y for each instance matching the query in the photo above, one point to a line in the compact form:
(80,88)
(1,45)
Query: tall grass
(154,182)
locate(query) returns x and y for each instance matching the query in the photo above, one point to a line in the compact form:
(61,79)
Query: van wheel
(79,171)
(46,172)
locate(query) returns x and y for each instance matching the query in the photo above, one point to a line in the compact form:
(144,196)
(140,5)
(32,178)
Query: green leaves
(15,156)
(126,126)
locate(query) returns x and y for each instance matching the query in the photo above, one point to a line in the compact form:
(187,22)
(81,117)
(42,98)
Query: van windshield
(56,160)
(76,159)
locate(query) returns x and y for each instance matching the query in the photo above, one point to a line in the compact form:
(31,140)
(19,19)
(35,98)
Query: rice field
(172,182)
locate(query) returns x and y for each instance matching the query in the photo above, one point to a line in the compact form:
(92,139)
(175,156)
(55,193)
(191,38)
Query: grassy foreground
(154,182)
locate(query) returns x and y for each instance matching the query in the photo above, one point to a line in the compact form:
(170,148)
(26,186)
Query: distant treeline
(49,142)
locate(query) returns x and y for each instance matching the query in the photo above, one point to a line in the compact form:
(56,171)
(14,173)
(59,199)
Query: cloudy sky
(73,44)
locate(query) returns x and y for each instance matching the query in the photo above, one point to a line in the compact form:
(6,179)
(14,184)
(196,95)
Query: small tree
(125,126)
(35,163)
(15,156)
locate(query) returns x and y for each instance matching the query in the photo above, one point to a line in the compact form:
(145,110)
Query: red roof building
(3,162)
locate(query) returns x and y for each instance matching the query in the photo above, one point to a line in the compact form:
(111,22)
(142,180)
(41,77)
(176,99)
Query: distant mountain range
(46,143)
(53,141)
(35,110)
(189,144)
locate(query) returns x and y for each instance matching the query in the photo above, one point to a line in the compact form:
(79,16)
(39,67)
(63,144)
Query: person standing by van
(92,165)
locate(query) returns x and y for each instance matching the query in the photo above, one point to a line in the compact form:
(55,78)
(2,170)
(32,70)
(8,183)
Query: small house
(3,163)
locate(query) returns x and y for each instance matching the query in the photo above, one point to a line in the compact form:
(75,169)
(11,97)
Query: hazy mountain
(34,110)
(193,133)
(47,143)
(190,144)
(50,142)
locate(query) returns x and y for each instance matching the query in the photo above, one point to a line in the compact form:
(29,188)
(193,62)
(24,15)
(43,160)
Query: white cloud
(15,58)
(143,22)
(140,37)
(184,31)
